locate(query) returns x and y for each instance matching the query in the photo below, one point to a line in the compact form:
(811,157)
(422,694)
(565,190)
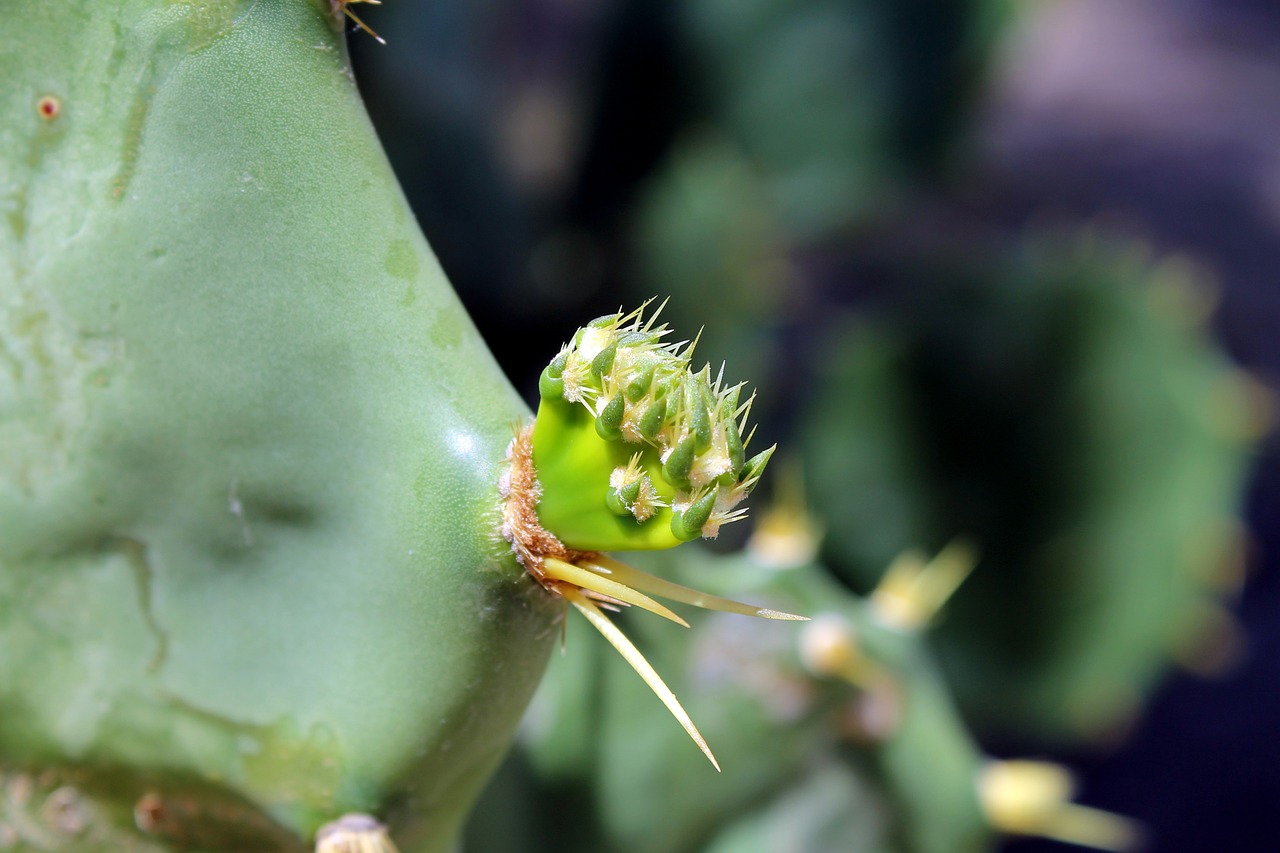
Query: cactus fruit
(250,574)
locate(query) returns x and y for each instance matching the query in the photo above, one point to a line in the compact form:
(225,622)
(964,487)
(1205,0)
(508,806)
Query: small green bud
(755,465)
(630,491)
(604,360)
(632,339)
(728,406)
(609,422)
(616,501)
(551,383)
(651,420)
(733,441)
(550,387)
(640,385)
(701,418)
(665,386)
(688,524)
(676,469)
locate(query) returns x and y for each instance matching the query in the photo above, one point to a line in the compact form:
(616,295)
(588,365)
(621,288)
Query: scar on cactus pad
(630,450)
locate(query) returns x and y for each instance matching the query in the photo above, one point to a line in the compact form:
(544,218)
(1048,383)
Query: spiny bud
(687,523)
(609,421)
(630,451)
(619,398)
(676,469)
(651,420)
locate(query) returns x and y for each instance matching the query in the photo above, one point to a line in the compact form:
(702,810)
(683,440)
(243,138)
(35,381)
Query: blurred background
(1000,271)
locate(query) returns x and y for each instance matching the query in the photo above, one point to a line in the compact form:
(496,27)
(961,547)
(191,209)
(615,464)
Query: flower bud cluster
(678,439)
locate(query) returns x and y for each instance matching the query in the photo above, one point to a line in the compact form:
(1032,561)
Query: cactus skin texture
(249,441)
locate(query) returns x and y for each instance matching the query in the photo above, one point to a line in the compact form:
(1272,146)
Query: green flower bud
(626,431)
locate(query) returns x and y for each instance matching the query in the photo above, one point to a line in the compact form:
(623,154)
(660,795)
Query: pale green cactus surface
(249,443)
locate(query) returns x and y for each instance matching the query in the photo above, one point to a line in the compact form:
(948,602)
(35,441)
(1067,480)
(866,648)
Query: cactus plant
(251,507)
(253,576)
(249,446)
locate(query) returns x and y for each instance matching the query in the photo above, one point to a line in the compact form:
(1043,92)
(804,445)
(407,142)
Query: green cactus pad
(248,436)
